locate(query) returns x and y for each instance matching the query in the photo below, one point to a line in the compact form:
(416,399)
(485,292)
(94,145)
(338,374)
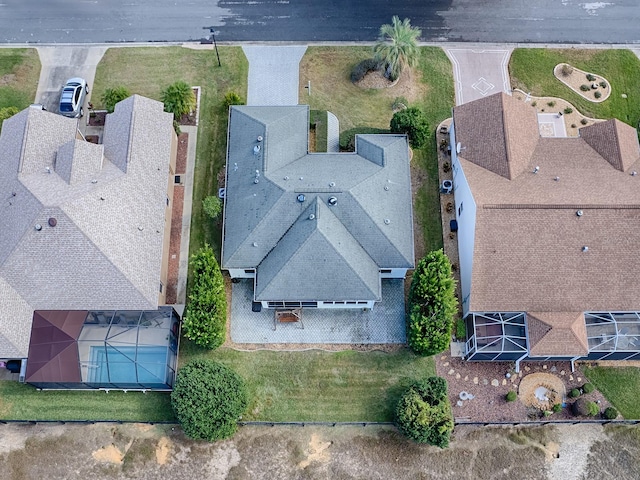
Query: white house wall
(241,273)
(466,215)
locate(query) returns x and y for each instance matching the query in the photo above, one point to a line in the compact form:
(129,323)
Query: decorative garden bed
(589,86)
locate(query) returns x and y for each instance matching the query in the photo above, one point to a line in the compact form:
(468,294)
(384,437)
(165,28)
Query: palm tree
(397,46)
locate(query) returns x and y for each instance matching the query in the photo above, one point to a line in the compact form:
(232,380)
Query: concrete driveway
(479,72)
(273,74)
(61,63)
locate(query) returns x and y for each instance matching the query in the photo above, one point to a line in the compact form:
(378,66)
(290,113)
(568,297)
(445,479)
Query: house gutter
(521,359)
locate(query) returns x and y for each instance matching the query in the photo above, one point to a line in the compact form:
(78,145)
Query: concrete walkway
(478,73)
(273,74)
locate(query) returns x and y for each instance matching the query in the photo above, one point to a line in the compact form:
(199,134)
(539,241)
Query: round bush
(591,77)
(584,407)
(111,96)
(557,407)
(423,413)
(511,396)
(588,388)
(208,399)
(603,84)
(568,110)
(584,121)
(585,88)
(574,393)
(597,94)
(413,122)
(610,413)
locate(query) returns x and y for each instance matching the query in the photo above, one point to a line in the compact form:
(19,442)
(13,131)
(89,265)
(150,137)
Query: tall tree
(397,46)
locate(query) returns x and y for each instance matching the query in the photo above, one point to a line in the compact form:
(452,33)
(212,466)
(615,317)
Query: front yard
(19,73)
(531,70)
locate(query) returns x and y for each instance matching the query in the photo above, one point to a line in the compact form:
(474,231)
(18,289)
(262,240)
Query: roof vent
(333,201)
(47,169)
(387,221)
(38,227)
(311,216)
(94,181)
(141,228)
(300,197)
(557,179)
(585,249)
(260,138)
(256,150)
(52,222)
(332,184)
(301,178)
(255,244)
(255,180)
(286,178)
(579,213)
(386,188)
(536,169)
(634,173)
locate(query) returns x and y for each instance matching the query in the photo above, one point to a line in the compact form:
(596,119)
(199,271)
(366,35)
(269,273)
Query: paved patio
(382,325)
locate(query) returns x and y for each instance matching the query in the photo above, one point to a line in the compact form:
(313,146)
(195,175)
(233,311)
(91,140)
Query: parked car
(72,98)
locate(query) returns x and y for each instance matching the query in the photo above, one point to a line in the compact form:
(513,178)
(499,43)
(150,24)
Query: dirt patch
(318,452)
(163,450)
(109,454)
(408,85)
(97,118)
(7,79)
(541,390)
(375,79)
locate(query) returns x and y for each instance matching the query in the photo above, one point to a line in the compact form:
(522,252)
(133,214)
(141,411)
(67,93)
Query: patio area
(384,324)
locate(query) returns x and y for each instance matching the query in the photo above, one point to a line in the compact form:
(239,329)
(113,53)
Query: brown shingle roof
(498,133)
(557,333)
(615,141)
(528,240)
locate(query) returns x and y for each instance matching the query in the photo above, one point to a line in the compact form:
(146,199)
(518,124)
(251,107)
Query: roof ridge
(555,206)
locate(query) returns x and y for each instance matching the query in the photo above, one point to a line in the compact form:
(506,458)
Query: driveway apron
(273,74)
(479,72)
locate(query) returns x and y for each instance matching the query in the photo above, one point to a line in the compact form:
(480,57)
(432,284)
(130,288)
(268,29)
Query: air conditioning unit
(447,186)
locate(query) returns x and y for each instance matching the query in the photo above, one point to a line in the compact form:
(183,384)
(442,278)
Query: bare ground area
(109,451)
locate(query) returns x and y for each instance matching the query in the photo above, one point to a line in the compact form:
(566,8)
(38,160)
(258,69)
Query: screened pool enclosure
(126,350)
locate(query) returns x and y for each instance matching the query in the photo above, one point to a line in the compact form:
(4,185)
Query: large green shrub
(588,388)
(610,413)
(206,313)
(413,122)
(423,413)
(179,99)
(208,399)
(432,304)
(574,393)
(111,96)
(232,98)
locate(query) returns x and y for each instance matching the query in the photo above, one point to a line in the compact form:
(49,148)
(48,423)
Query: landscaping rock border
(579,77)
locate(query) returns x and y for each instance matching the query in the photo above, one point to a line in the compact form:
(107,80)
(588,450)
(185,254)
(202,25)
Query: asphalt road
(99,21)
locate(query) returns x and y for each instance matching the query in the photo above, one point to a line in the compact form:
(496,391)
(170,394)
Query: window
(161,287)
(460,208)
(248,270)
(385,270)
(177,179)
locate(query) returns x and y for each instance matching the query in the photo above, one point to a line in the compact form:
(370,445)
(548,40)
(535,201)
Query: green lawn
(619,385)
(531,70)
(147,71)
(430,88)
(24,402)
(19,73)
(320,386)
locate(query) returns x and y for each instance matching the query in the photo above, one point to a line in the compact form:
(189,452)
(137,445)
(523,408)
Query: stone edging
(599,78)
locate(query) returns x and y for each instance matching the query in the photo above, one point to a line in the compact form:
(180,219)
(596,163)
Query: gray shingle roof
(105,249)
(262,214)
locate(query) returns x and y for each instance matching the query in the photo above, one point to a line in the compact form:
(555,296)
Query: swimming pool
(121,366)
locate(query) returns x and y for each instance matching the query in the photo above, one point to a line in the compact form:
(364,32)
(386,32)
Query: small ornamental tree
(212,206)
(432,304)
(232,98)
(412,122)
(423,413)
(111,96)
(208,399)
(179,99)
(205,318)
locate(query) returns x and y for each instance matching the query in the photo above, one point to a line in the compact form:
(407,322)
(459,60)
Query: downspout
(522,358)
(573,367)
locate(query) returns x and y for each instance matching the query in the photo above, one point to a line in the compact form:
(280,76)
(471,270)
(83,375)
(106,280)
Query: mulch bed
(92,138)
(181,159)
(97,118)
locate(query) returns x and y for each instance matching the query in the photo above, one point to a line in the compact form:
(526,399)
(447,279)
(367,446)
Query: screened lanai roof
(496,336)
(103,349)
(609,332)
